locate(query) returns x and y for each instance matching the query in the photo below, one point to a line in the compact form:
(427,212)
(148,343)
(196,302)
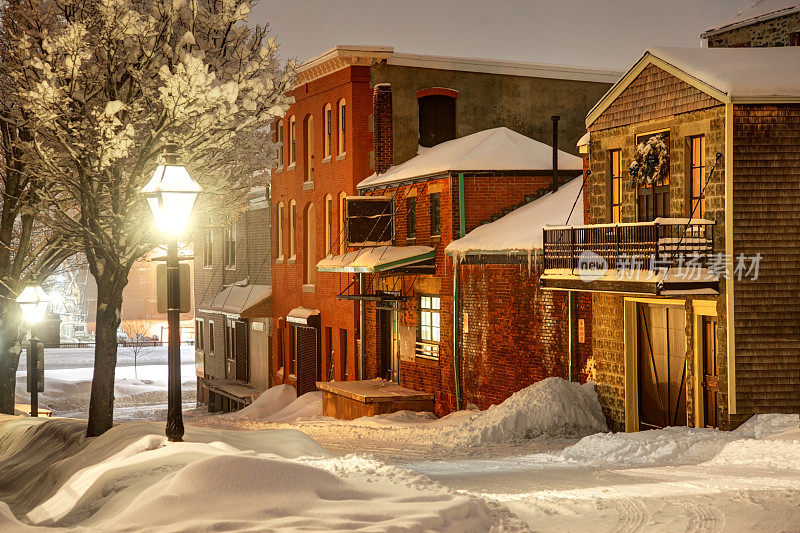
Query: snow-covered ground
(140,391)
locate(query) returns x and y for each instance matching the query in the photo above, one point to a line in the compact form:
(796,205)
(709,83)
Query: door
(385,343)
(230,350)
(662,366)
(240,350)
(710,375)
(307,359)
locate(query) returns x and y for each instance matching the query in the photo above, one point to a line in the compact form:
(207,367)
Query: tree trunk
(11,337)
(109,307)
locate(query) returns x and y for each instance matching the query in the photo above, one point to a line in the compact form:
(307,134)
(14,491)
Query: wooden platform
(226,395)
(349,400)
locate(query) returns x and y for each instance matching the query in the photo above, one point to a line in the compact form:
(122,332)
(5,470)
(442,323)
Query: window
(292,229)
(697,168)
(328,223)
(208,249)
(411,217)
(292,143)
(437,119)
(653,200)
(794,38)
(310,246)
(199,335)
(230,246)
(342,127)
(210,336)
(436,214)
(342,220)
(280,143)
(309,146)
(279,226)
(429,326)
(616,186)
(328,130)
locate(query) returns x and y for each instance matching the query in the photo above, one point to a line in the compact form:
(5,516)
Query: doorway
(661,334)
(307,355)
(710,373)
(388,359)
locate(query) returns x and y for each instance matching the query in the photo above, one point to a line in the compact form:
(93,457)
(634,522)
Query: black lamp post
(33,304)
(171,194)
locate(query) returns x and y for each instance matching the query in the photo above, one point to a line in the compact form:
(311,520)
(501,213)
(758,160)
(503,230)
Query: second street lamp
(33,303)
(171,194)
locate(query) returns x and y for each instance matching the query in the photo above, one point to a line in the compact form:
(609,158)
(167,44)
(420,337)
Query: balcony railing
(663,243)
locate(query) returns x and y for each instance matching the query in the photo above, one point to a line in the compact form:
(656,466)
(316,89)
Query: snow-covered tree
(106,84)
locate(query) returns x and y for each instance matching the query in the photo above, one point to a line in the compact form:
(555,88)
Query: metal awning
(377,259)
(303,316)
(242,301)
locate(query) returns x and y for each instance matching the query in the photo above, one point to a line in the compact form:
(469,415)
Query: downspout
(361,320)
(456,344)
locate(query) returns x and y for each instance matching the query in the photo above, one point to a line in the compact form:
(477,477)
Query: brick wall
(772,32)
(382,127)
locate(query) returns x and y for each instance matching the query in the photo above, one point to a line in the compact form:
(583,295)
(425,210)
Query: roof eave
(767,16)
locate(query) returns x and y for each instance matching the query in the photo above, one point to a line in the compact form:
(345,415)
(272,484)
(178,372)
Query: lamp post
(33,304)
(171,194)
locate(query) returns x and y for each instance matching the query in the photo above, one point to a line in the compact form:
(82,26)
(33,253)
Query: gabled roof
(758,11)
(496,149)
(521,230)
(742,75)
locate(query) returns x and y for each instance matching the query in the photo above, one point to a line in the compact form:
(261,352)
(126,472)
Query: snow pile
(132,479)
(269,403)
(309,405)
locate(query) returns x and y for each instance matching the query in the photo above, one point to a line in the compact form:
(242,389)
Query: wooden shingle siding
(766,214)
(654,94)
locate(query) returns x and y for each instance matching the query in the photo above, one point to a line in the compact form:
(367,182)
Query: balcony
(668,256)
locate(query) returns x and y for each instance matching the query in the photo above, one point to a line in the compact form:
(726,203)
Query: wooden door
(662,366)
(385,343)
(307,357)
(240,350)
(710,375)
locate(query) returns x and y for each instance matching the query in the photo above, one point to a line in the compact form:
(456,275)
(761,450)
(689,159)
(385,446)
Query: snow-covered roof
(496,149)
(521,230)
(376,259)
(237,299)
(757,11)
(727,74)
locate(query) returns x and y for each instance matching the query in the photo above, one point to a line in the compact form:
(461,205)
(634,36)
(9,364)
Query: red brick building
(410,215)
(362,109)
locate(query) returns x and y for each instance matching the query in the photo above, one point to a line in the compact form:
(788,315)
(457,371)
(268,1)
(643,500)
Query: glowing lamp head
(171,194)
(33,303)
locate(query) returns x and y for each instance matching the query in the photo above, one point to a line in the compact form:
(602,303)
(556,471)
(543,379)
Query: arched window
(328,117)
(342,127)
(279,140)
(310,246)
(309,147)
(279,228)
(328,223)
(437,115)
(342,220)
(292,229)
(292,142)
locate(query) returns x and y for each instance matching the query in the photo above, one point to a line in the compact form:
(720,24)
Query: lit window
(208,249)
(616,186)
(292,229)
(436,214)
(429,326)
(279,227)
(697,166)
(292,143)
(328,129)
(230,247)
(342,127)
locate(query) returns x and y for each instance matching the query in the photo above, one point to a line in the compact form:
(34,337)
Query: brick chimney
(382,127)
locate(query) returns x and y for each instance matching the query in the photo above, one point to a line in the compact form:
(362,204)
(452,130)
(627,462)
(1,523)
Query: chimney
(555,119)
(382,127)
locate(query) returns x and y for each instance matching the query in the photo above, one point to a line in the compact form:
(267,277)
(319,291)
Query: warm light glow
(171,194)
(33,302)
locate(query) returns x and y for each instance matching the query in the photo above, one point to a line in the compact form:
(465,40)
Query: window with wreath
(430,307)
(650,175)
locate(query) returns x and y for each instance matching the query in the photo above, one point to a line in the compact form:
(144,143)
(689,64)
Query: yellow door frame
(700,309)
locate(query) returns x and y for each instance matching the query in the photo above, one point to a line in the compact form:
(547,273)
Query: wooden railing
(642,245)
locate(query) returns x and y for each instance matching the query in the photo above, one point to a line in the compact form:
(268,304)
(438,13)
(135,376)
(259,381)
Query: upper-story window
(411,217)
(310,246)
(230,246)
(437,118)
(280,142)
(279,228)
(616,185)
(436,214)
(328,223)
(309,146)
(292,142)
(697,170)
(342,220)
(208,248)
(328,130)
(653,200)
(342,127)
(199,334)
(292,229)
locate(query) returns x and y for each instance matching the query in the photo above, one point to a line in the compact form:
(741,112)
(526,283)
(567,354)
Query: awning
(377,259)
(302,316)
(242,301)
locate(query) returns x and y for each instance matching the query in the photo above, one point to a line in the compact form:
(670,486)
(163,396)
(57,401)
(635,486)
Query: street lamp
(33,304)
(171,194)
